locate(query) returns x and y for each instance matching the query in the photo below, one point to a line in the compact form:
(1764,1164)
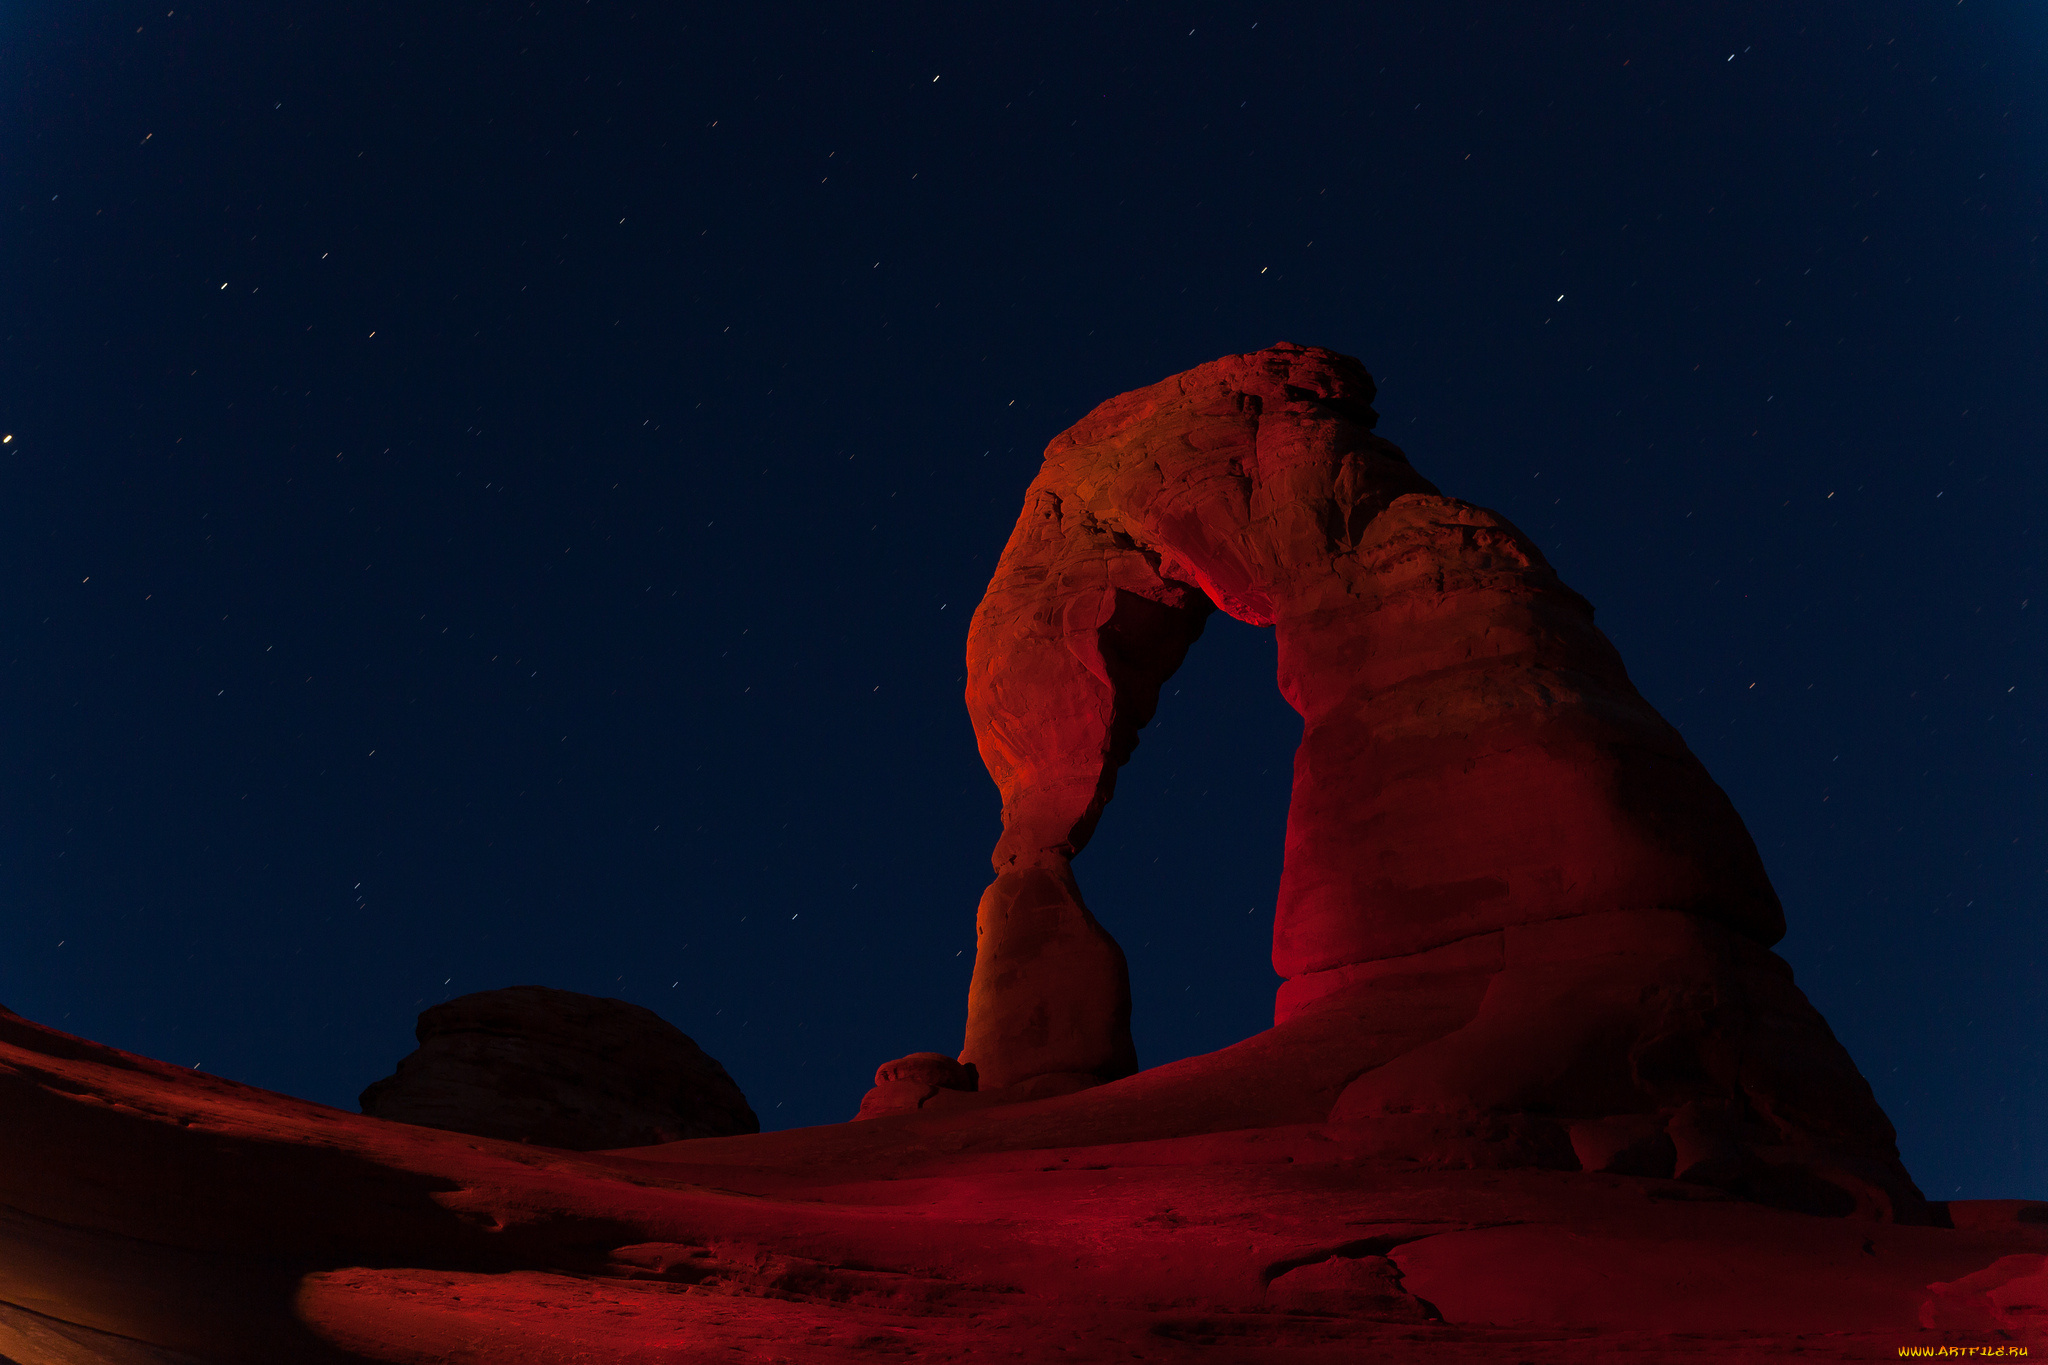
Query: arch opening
(1472,756)
(1184,867)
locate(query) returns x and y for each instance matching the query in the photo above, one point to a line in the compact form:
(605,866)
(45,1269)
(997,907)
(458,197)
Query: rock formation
(155,1215)
(531,1064)
(910,1083)
(1536,1089)
(1491,832)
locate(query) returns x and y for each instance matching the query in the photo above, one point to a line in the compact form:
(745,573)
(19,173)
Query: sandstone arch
(1473,754)
(1518,923)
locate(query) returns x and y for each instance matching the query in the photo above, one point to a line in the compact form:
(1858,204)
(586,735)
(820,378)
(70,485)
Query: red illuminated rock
(151,1214)
(1482,802)
(910,1083)
(1536,1088)
(532,1064)
(2008,1300)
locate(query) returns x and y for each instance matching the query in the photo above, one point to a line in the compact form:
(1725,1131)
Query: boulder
(559,1069)
(908,1084)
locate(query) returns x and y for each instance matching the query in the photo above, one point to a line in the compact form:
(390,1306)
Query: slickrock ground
(1537,1089)
(562,1069)
(150,1214)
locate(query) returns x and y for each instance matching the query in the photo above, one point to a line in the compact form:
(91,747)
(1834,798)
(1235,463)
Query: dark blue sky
(497,491)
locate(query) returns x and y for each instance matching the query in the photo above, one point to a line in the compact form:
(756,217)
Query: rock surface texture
(910,1083)
(531,1064)
(1495,846)
(1536,1088)
(154,1215)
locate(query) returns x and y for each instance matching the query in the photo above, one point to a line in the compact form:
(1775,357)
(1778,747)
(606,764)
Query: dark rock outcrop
(560,1069)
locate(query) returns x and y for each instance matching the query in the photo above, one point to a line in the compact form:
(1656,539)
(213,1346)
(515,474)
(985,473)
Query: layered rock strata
(155,1215)
(1482,802)
(532,1064)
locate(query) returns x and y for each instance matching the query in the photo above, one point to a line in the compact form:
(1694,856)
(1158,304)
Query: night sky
(495,492)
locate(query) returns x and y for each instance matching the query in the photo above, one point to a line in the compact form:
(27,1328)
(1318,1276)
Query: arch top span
(1473,753)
